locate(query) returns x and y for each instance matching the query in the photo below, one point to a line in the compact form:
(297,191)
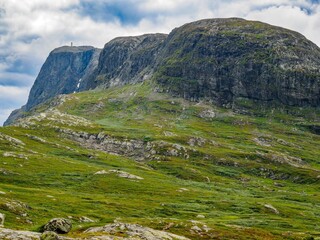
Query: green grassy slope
(251,176)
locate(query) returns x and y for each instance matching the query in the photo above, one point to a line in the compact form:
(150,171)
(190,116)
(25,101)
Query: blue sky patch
(127,13)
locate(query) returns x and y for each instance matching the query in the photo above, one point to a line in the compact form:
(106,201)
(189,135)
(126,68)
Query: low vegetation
(251,172)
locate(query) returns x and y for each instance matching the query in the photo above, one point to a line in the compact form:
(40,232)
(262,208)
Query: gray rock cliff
(63,72)
(126,60)
(222,60)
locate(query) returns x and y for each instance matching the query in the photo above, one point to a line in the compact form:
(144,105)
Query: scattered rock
(36,138)
(2,193)
(85,219)
(277,184)
(12,140)
(16,207)
(123,174)
(200,216)
(7,172)
(282,158)
(134,231)
(14,155)
(197,141)
(2,218)
(49,235)
(119,173)
(168,226)
(58,225)
(271,208)
(196,229)
(182,190)
(207,114)
(169,134)
(102,172)
(263,142)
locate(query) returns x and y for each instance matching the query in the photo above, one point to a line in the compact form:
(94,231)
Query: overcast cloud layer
(30,29)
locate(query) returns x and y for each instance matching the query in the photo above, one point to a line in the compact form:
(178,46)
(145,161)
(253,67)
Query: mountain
(224,61)
(192,135)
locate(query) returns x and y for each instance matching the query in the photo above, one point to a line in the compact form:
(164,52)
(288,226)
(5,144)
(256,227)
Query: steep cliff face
(223,60)
(126,60)
(62,73)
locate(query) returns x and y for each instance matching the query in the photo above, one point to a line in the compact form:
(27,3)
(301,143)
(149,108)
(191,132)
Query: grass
(228,177)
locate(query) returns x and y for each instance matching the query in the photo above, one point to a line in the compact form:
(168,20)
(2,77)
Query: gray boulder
(58,225)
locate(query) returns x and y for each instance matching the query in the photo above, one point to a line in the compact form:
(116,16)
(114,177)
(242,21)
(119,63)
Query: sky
(30,29)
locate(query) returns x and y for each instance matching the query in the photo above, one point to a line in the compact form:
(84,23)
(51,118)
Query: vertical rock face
(62,73)
(225,59)
(126,60)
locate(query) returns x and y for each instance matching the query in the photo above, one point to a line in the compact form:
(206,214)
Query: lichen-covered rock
(58,225)
(49,236)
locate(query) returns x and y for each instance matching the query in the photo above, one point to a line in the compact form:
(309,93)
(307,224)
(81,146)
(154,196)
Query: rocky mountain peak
(62,72)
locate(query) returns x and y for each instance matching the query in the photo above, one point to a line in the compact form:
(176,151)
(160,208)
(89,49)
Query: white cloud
(10,99)
(4,113)
(29,30)
(10,95)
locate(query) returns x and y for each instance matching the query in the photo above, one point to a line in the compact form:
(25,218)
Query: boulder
(58,225)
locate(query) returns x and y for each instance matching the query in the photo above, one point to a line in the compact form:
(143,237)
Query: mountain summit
(219,60)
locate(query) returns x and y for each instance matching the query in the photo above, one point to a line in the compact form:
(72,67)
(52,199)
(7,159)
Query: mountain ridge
(223,61)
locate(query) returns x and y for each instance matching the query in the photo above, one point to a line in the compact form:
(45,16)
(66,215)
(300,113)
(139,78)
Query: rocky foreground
(119,231)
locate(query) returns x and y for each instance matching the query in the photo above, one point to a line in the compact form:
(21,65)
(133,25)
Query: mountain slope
(183,165)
